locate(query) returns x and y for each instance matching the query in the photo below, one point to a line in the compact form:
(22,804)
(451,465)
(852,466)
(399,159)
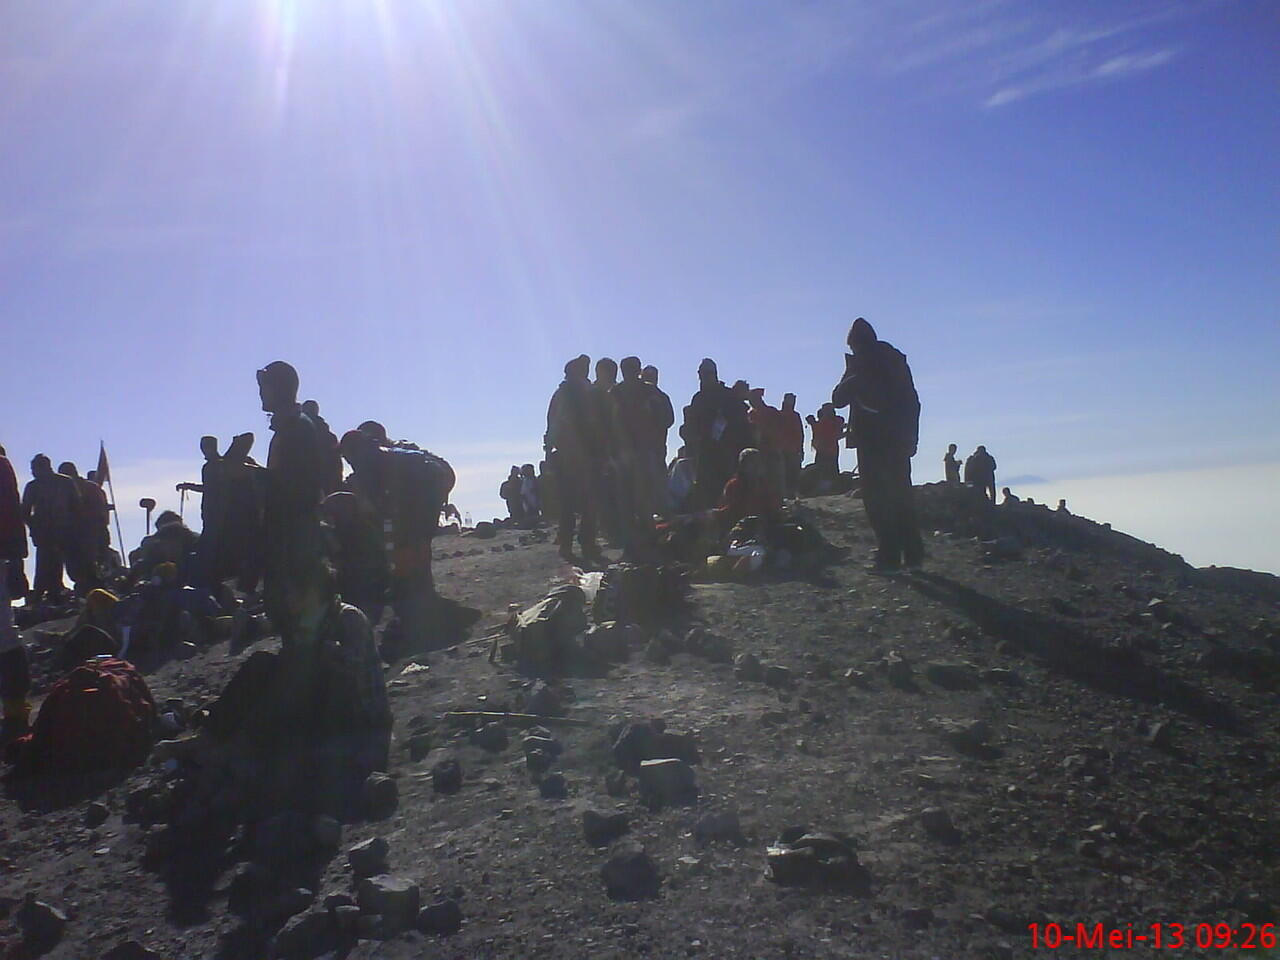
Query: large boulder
(667,781)
(395,899)
(630,874)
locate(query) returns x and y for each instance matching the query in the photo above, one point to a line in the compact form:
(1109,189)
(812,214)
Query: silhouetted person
(15,670)
(608,493)
(530,496)
(359,553)
(92,536)
(826,430)
(703,433)
(510,493)
(1008,497)
(244,521)
(296,464)
(884,412)
(664,416)
(791,436)
(951,465)
(766,428)
(1062,506)
(573,447)
(329,441)
(636,438)
(980,471)
(51,509)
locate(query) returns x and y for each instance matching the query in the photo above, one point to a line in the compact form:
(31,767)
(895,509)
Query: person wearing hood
(573,446)
(980,471)
(51,508)
(15,669)
(884,426)
(707,421)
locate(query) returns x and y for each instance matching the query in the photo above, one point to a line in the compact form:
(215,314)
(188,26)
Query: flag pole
(104,467)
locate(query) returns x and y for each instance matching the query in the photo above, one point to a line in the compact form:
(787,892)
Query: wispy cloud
(1074,75)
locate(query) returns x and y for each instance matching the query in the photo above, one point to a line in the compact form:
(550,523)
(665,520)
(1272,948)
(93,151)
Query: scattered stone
(538,762)
(95,815)
(419,746)
(327,833)
(600,828)
(816,859)
(548,745)
(369,858)
(1003,676)
(899,671)
(937,824)
(630,874)
(380,795)
(616,783)
(41,924)
(952,676)
(306,937)
(545,701)
(650,740)
(656,653)
(335,900)
(1089,848)
(346,918)
(856,678)
(748,668)
(917,918)
(442,918)
(1160,735)
(777,676)
(1160,610)
(130,950)
(553,787)
(446,776)
(491,737)
(395,899)
(723,826)
(667,781)
(970,737)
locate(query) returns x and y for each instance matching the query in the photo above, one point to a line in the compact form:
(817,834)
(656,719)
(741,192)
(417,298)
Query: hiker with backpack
(980,472)
(708,435)
(636,436)
(884,426)
(15,671)
(406,489)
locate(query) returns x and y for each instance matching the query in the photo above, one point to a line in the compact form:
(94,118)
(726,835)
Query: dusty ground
(1068,813)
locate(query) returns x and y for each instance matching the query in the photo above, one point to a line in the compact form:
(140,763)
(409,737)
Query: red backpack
(98,717)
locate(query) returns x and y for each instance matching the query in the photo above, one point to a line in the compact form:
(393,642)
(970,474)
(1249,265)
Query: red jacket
(743,500)
(826,434)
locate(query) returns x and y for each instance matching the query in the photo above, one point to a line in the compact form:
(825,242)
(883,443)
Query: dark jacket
(13,535)
(979,468)
(573,427)
(884,408)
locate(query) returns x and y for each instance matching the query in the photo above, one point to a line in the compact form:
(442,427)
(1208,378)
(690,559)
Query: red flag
(104,471)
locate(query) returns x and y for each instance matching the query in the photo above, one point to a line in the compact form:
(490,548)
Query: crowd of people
(740,457)
(293,538)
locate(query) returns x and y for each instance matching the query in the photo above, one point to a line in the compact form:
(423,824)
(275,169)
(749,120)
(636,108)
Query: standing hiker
(92,535)
(15,671)
(884,424)
(980,471)
(608,491)
(706,425)
(826,429)
(573,447)
(951,466)
(636,435)
(50,507)
(332,465)
(791,438)
(294,488)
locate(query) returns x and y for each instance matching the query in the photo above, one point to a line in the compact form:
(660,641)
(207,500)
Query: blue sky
(1064,212)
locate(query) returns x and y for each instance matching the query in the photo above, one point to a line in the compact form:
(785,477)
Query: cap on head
(606,369)
(630,367)
(209,446)
(861,335)
(167,518)
(650,374)
(981,449)
(311,408)
(67,468)
(41,464)
(281,376)
(707,368)
(578,367)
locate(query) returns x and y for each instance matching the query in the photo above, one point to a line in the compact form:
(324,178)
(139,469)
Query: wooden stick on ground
(517,719)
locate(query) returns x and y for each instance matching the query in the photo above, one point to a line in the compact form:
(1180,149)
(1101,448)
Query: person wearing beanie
(884,426)
(15,671)
(51,507)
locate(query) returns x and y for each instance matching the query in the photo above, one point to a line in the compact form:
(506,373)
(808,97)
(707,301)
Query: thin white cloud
(1114,68)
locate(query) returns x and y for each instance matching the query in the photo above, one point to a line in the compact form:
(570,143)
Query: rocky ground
(1061,725)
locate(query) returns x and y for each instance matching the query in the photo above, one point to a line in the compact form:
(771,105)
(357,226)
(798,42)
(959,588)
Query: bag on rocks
(545,634)
(96,718)
(643,593)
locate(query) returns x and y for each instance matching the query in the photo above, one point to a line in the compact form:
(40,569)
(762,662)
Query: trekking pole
(147,504)
(182,502)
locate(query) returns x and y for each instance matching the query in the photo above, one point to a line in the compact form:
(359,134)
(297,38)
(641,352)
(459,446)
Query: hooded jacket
(884,408)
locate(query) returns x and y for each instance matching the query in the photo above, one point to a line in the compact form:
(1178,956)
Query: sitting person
(749,493)
(1009,497)
(171,542)
(530,496)
(512,495)
(96,631)
(163,613)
